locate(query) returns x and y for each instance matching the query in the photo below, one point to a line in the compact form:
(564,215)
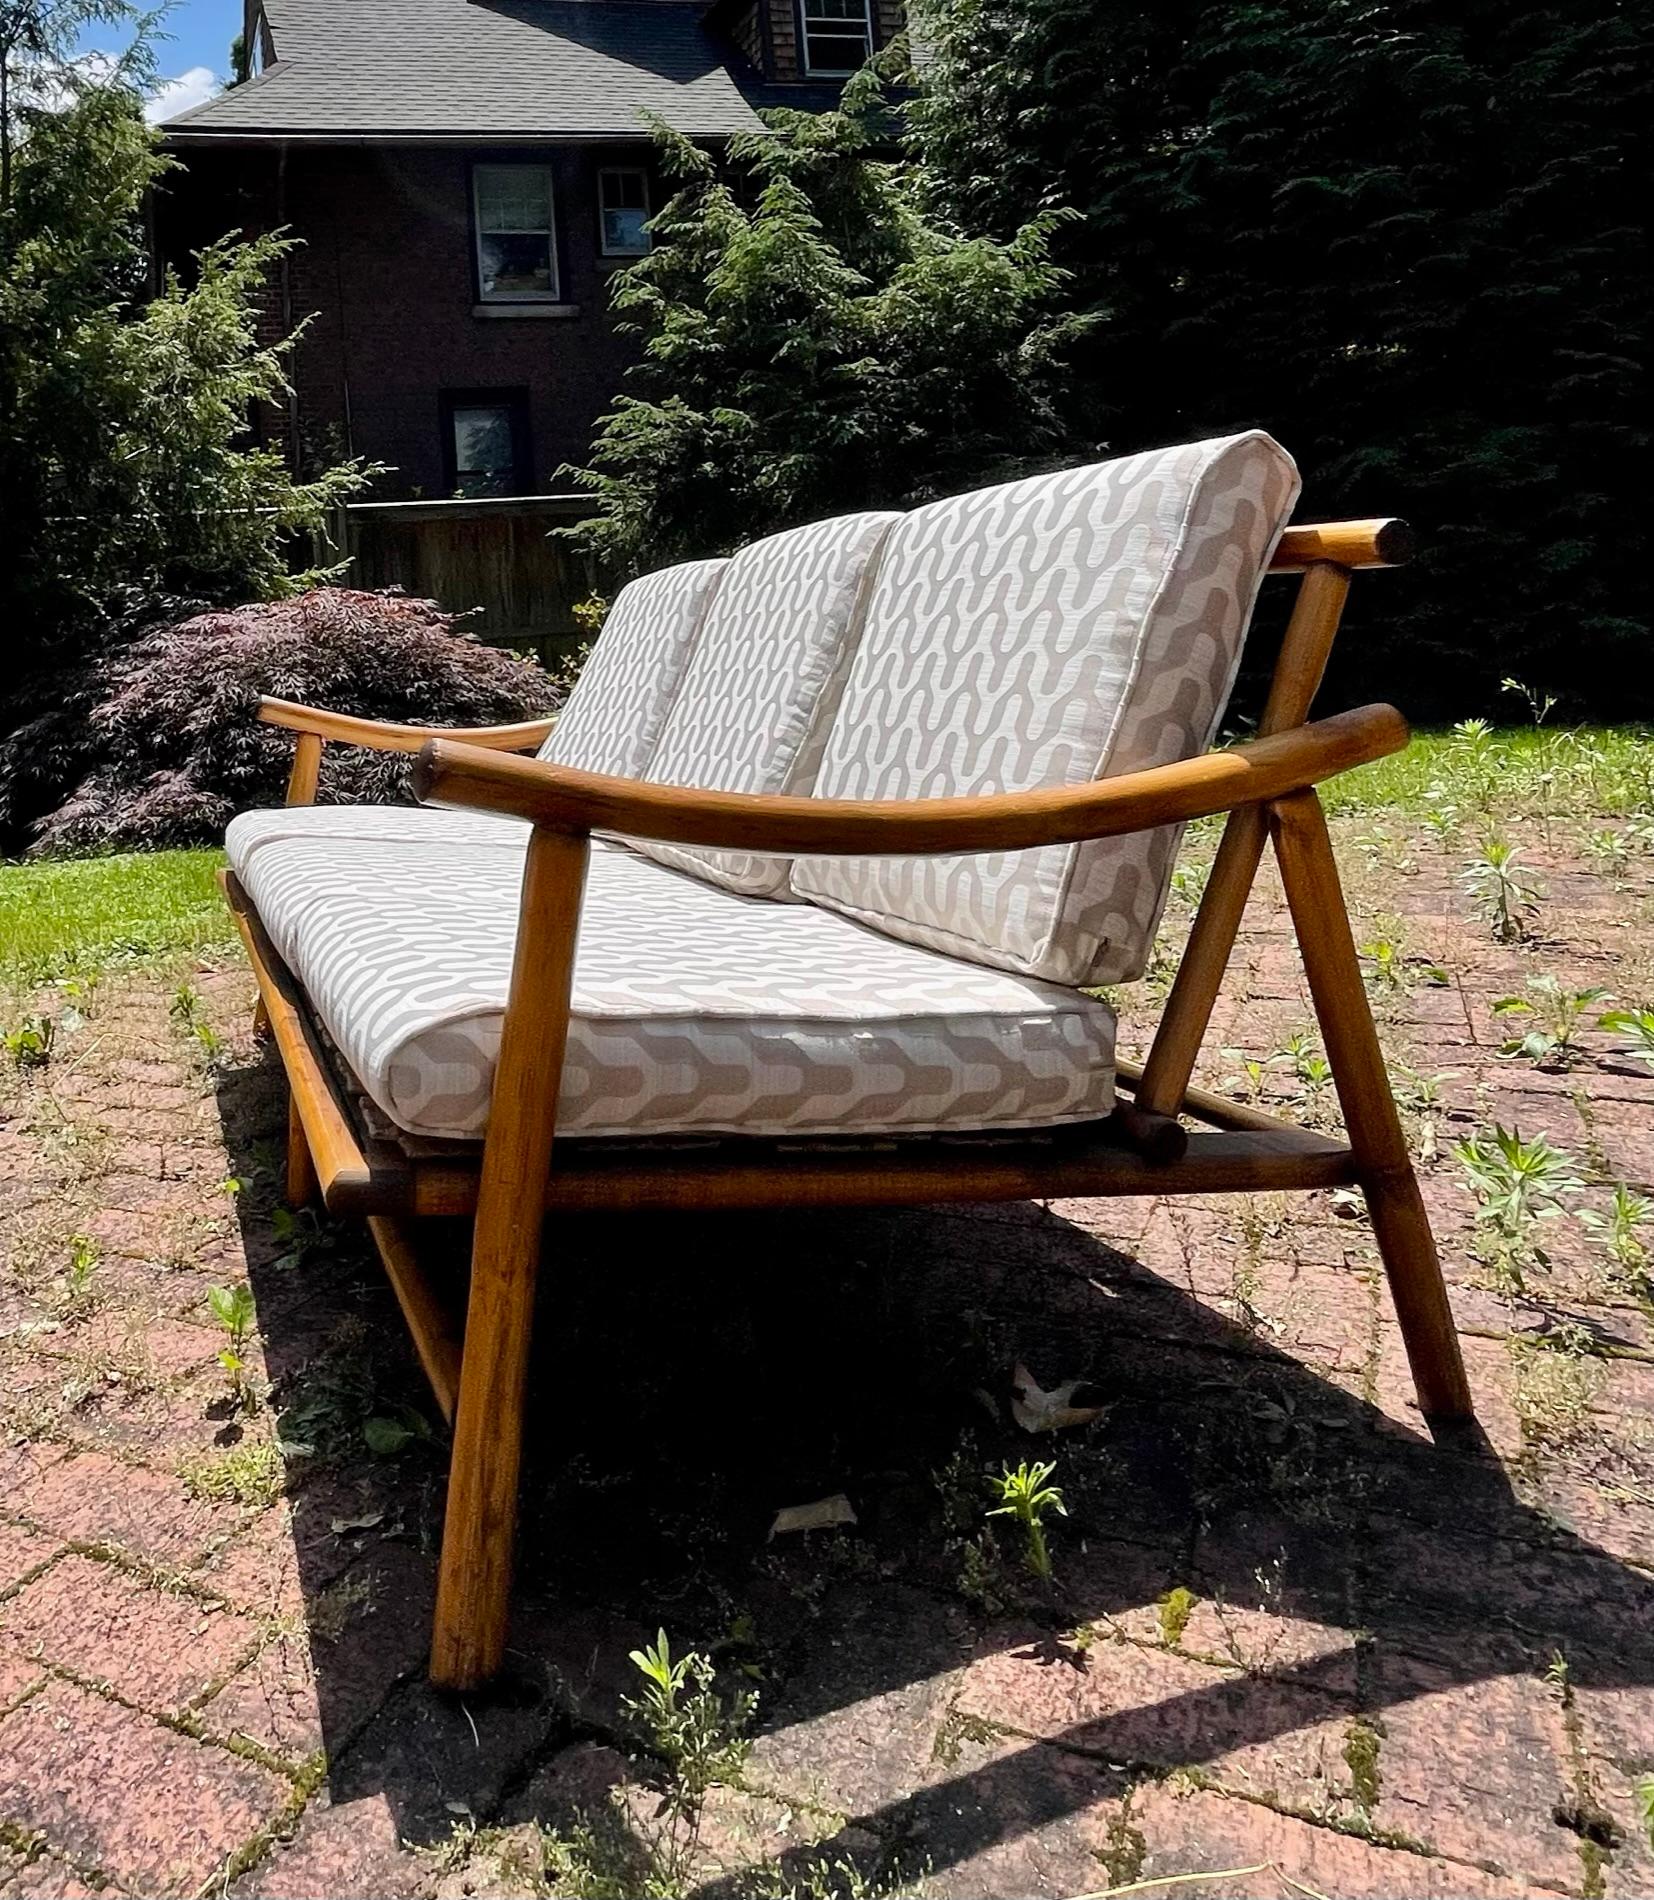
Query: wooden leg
(1400,1223)
(261,1019)
(474,1586)
(302,1185)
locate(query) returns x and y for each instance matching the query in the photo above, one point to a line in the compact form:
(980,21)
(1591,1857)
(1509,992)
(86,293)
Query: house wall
(385,273)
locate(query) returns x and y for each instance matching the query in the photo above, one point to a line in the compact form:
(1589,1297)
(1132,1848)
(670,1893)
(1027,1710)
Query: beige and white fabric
(764,680)
(694,1009)
(251,831)
(1054,630)
(619,705)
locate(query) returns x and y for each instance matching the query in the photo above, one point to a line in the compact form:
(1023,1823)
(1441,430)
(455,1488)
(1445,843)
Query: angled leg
(301,790)
(1400,1223)
(302,1185)
(474,1586)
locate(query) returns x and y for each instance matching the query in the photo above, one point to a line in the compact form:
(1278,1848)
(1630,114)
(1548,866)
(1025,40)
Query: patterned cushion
(251,831)
(620,702)
(764,680)
(694,1009)
(1051,631)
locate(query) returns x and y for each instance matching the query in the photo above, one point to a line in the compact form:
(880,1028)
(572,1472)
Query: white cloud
(174,96)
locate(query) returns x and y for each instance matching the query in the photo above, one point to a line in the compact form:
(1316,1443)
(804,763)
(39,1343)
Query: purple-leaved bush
(175,749)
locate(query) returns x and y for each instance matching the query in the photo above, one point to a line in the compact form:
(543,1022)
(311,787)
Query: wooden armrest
(1382,542)
(450,773)
(382,736)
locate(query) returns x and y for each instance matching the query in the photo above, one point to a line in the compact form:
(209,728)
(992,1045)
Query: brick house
(464,176)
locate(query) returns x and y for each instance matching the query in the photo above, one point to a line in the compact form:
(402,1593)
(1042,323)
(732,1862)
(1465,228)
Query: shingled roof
(410,69)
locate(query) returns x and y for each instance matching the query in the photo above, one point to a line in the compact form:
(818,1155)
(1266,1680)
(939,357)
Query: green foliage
(1027,1494)
(1503,891)
(1517,1185)
(1637,1028)
(1403,235)
(813,341)
(128,477)
(1621,1231)
(1552,1019)
(235,1310)
(29,1043)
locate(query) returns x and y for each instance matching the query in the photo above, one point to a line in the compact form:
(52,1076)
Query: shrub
(172,745)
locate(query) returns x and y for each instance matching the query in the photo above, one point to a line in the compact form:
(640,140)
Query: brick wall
(384,271)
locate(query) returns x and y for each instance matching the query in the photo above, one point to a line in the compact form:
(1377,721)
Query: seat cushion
(695,1009)
(251,831)
(1047,632)
(764,679)
(618,709)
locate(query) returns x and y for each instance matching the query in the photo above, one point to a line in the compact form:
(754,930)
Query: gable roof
(412,69)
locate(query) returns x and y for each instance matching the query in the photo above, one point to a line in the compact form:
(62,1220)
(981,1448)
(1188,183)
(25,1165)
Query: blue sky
(195,57)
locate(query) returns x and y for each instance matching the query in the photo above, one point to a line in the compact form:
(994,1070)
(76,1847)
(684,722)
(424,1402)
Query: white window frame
(484,295)
(640,173)
(831,23)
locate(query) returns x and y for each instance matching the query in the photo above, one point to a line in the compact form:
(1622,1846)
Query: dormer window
(516,233)
(838,36)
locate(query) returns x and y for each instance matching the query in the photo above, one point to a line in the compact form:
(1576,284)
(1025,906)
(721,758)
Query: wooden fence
(497,556)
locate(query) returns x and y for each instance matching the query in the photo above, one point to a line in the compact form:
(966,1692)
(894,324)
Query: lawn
(1284,1636)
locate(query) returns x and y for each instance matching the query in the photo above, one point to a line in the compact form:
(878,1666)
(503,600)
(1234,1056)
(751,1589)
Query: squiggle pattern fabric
(694,1009)
(1050,631)
(764,680)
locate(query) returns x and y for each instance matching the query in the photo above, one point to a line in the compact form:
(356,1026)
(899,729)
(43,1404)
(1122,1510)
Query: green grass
(1562,771)
(70,915)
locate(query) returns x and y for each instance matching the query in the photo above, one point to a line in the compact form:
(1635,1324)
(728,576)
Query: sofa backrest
(1054,630)
(764,679)
(617,711)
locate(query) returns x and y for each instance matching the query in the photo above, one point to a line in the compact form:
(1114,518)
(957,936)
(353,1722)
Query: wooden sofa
(849,829)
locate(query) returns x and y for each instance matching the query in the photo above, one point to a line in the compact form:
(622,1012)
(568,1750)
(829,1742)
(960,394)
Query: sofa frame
(341,1150)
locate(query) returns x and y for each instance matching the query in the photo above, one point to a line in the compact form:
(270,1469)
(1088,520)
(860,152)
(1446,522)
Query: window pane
(485,461)
(854,10)
(834,53)
(513,198)
(513,266)
(623,191)
(623,232)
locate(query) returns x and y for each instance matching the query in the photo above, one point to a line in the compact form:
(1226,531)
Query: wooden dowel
(474,1584)
(1378,543)
(307,770)
(1401,1226)
(436,1336)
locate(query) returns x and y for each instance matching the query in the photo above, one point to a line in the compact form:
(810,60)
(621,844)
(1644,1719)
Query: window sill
(536,311)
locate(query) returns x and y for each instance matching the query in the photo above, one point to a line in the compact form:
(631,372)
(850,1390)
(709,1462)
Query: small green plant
(1621,1232)
(1173,1611)
(304,1236)
(1642,1793)
(395,1429)
(1389,969)
(1553,1016)
(249,1474)
(235,1311)
(1539,704)
(83,1263)
(1502,889)
(1311,1068)
(1517,1185)
(1610,851)
(1027,1494)
(699,1739)
(29,1043)
(1636,1026)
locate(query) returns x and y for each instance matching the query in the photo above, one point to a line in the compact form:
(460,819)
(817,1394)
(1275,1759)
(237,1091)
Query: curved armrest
(381,736)
(449,773)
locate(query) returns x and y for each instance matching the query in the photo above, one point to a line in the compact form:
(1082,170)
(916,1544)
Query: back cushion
(764,681)
(614,717)
(1055,630)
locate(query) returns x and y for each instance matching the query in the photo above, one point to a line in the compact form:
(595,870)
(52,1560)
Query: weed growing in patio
(1517,1184)
(1027,1494)
(1389,969)
(1620,1232)
(1175,1608)
(249,1474)
(29,1043)
(696,1735)
(234,1310)
(1557,1378)
(1637,1028)
(82,1265)
(1554,1016)
(1503,891)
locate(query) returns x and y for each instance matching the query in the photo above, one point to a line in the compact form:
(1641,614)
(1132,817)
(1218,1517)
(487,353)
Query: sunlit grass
(1563,771)
(75,914)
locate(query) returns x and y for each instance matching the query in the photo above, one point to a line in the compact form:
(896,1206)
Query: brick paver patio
(1287,1632)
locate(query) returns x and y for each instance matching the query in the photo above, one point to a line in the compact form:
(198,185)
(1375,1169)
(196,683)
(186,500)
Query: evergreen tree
(812,343)
(1405,236)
